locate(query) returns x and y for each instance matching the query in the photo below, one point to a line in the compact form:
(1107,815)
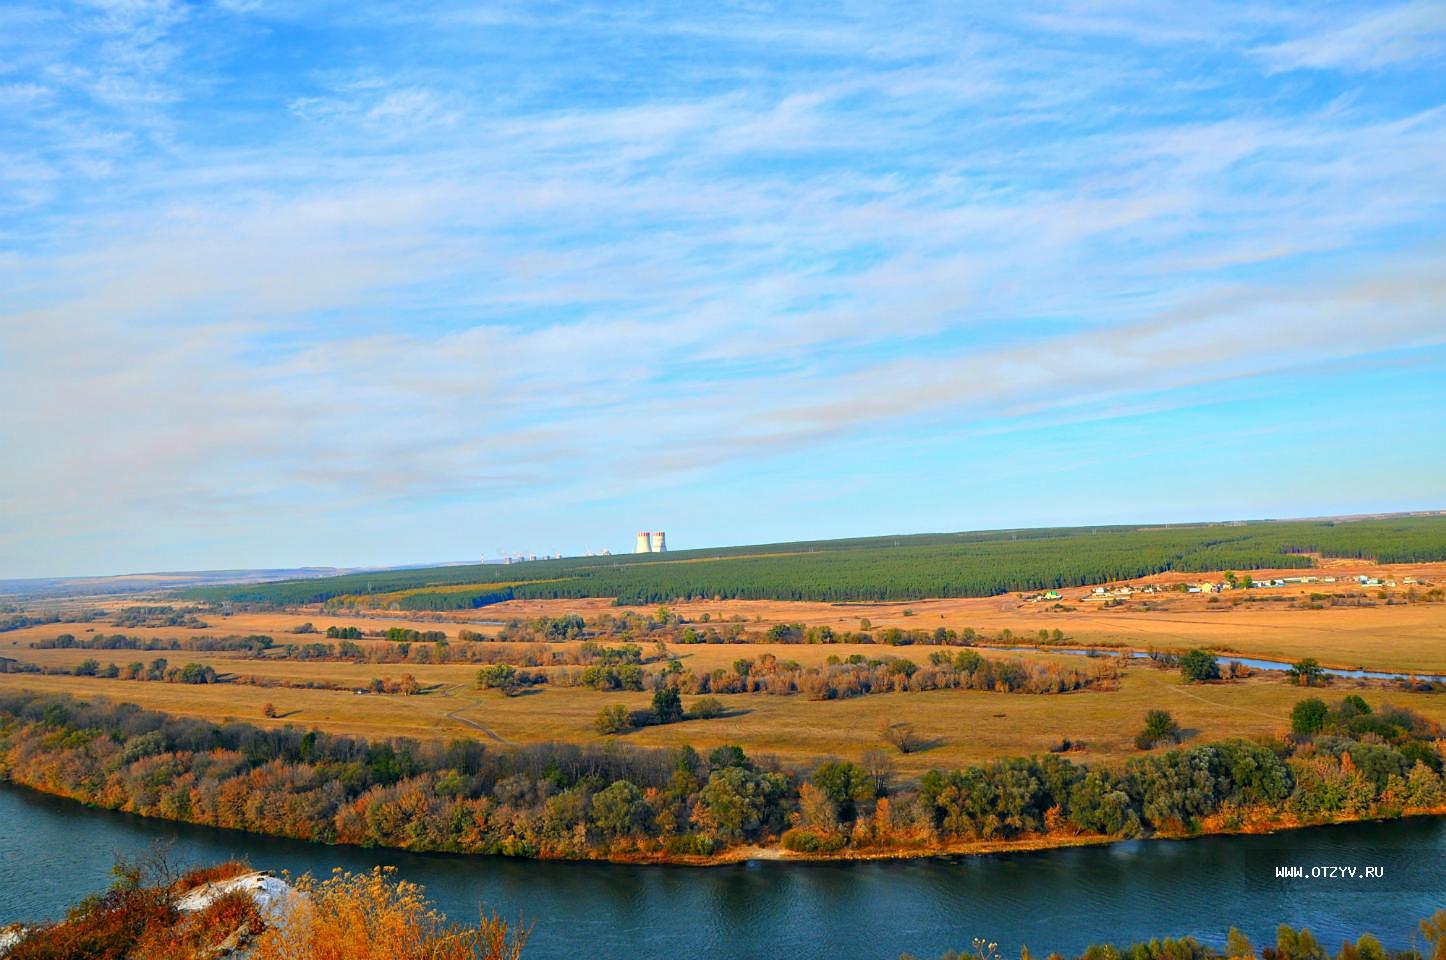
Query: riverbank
(635,805)
(750,853)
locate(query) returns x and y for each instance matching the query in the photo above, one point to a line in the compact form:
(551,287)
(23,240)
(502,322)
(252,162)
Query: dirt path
(1187,692)
(457,714)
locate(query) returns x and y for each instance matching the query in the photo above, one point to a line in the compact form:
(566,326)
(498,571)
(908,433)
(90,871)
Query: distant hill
(968,564)
(147,582)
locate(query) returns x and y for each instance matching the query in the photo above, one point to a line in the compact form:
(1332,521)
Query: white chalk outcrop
(9,937)
(274,897)
(276,901)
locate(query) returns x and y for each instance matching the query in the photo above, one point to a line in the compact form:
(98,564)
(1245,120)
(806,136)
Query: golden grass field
(966,725)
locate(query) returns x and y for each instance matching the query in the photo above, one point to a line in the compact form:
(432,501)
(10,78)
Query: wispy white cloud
(1378,38)
(579,255)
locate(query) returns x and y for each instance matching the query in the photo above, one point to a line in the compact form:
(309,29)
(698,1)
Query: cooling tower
(643,545)
(659,543)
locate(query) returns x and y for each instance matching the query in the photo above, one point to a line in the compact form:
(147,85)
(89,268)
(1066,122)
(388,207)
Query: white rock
(275,898)
(9,937)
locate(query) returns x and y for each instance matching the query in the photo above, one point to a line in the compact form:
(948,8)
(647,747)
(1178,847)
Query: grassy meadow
(961,726)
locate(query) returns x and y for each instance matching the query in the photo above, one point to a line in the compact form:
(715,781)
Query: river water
(52,852)
(1254,663)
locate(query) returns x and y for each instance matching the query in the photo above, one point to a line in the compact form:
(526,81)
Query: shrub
(372,916)
(902,737)
(613,719)
(706,708)
(106,927)
(269,710)
(1159,725)
(137,917)
(811,841)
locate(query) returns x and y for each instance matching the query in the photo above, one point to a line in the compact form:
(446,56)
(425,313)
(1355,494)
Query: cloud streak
(599,258)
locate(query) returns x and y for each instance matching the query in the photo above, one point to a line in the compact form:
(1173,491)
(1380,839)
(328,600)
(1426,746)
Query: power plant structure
(655,542)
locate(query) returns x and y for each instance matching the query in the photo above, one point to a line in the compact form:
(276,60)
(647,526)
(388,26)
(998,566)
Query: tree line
(609,799)
(1289,944)
(879,568)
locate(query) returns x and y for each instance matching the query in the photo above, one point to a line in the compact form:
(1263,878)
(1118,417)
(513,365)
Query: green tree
(196,673)
(742,804)
(1159,725)
(1307,672)
(845,784)
(618,810)
(1099,802)
(1199,665)
(730,755)
(667,705)
(498,676)
(1309,716)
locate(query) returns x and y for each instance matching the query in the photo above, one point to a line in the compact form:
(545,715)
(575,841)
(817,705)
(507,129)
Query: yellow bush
(373,916)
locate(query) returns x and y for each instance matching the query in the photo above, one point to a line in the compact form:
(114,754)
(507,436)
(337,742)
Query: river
(53,852)
(1254,663)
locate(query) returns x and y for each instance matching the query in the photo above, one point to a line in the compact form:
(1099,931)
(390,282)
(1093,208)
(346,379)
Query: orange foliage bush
(218,871)
(373,916)
(100,928)
(231,920)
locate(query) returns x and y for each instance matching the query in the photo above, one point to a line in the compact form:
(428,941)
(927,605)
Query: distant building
(643,544)
(658,542)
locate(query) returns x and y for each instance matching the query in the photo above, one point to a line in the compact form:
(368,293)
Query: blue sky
(309,283)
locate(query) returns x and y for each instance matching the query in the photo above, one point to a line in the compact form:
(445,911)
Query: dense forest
(872,569)
(610,800)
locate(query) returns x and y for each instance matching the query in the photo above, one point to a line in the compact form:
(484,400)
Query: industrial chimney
(643,544)
(659,543)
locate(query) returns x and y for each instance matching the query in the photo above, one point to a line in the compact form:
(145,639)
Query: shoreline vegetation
(229,910)
(1342,763)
